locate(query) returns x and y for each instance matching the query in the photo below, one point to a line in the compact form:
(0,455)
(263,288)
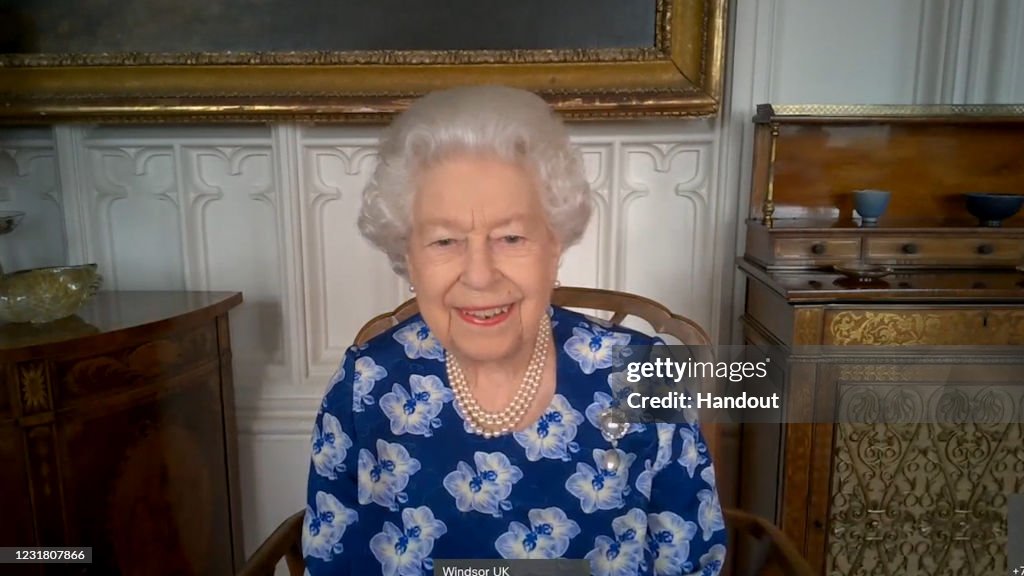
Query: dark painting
(177,26)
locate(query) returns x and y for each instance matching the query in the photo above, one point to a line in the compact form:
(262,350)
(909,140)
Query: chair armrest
(285,542)
(778,547)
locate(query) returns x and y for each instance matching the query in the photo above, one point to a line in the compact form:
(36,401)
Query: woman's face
(481,257)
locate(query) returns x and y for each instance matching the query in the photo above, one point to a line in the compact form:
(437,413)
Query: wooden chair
(770,550)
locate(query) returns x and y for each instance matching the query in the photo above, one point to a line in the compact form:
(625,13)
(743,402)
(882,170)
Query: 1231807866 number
(45,554)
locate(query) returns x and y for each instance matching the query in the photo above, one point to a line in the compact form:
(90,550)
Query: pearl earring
(412,289)
(557,283)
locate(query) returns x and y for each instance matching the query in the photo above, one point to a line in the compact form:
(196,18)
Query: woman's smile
(485,316)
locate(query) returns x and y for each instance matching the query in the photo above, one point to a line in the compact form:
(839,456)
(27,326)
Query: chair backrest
(621,305)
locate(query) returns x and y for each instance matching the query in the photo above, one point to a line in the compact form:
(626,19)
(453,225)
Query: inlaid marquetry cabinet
(902,437)
(117,432)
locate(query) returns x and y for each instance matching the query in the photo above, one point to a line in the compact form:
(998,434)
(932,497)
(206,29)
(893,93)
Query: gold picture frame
(680,75)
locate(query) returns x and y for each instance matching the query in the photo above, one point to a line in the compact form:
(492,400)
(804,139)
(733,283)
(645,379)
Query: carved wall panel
(29,183)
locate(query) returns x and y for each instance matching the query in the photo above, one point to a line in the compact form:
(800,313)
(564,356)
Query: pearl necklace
(492,424)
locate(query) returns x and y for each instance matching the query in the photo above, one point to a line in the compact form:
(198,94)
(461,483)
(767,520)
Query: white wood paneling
(232,242)
(663,224)
(346,281)
(133,207)
(29,183)
(273,483)
(582,264)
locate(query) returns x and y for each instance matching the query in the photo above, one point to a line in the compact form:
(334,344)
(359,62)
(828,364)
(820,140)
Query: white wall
(269,211)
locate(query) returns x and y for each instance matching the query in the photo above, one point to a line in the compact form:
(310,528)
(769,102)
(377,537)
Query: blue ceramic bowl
(992,209)
(870,205)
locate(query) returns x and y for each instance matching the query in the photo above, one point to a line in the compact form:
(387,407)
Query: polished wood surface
(927,160)
(820,250)
(117,432)
(120,315)
(804,242)
(966,250)
(905,286)
(927,168)
(828,222)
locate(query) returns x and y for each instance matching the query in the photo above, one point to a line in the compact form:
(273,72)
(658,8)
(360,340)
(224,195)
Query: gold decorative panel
(924,498)
(35,396)
(925,327)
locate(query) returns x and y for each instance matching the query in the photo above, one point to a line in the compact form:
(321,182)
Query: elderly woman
(474,429)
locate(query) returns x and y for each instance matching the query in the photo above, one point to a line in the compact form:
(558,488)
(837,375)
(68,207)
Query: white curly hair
(514,125)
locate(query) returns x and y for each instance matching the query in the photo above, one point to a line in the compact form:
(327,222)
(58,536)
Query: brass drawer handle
(986,249)
(910,248)
(818,249)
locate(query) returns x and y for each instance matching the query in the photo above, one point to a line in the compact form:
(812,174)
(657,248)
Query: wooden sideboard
(117,432)
(875,470)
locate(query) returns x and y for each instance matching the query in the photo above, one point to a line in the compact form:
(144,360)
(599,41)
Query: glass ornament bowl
(41,295)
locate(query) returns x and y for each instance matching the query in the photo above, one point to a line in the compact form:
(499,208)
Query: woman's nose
(479,271)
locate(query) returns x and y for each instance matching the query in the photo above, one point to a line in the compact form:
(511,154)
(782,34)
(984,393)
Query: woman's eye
(512,239)
(444,242)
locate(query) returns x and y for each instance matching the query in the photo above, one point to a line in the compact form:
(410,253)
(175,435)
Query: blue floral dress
(396,480)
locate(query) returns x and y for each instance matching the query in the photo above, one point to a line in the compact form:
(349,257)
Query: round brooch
(613,425)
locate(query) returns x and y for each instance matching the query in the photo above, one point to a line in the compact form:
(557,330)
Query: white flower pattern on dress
(620,556)
(668,539)
(367,374)
(709,513)
(593,347)
(547,537)
(416,412)
(324,527)
(666,433)
(553,434)
(712,560)
(406,551)
(383,479)
(486,489)
(330,446)
(601,489)
(693,451)
(419,342)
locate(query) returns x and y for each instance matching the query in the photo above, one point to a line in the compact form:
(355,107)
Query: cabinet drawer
(962,250)
(925,327)
(817,249)
(136,366)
